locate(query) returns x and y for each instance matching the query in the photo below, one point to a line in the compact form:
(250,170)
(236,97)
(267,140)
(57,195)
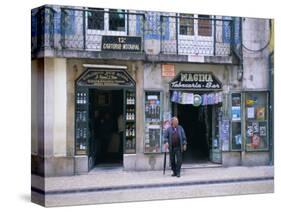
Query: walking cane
(165,156)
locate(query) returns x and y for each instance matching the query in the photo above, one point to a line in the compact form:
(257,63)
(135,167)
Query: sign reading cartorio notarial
(121,43)
(193,81)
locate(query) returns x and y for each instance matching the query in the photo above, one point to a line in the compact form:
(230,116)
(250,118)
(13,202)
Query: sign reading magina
(121,43)
(194,81)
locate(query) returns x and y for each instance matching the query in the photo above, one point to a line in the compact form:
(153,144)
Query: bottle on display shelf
(129,114)
(78,98)
(127,131)
(134,100)
(85,98)
(133,131)
(130,131)
(133,115)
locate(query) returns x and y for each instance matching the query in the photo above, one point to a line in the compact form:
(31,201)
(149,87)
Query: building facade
(106,82)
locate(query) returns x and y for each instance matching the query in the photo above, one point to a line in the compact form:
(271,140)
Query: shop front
(105,127)
(197,101)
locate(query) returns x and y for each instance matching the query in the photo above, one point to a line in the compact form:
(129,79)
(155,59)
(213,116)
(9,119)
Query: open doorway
(197,123)
(106,140)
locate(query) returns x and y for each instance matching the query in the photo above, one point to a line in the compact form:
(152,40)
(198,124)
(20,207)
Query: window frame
(236,121)
(97,10)
(266,93)
(196,27)
(106,30)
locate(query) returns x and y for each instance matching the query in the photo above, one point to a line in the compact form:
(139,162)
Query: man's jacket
(181,136)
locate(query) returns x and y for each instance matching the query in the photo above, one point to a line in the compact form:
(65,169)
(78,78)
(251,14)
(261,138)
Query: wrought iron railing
(200,35)
(42,28)
(84,28)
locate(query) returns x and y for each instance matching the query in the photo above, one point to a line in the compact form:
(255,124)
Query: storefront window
(153,135)
(256,121)
(81,121)
(236,138)
(130,122)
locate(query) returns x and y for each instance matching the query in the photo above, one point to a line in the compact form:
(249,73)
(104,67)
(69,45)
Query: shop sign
(121,43)
(195,81)
(111,78)
(168,70)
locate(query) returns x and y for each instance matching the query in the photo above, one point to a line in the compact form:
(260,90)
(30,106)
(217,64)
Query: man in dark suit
(175,140)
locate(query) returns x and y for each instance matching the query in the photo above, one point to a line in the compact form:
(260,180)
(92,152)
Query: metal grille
(189,35)
(43,29)
(83,29)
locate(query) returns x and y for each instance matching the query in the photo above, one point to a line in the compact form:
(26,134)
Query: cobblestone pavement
(116,185)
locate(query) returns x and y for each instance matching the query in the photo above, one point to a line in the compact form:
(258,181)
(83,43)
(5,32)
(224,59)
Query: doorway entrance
(197,124)
(106,143)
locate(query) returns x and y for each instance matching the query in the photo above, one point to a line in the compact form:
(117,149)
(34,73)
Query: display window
(256,121)
(153,120)
(236,126)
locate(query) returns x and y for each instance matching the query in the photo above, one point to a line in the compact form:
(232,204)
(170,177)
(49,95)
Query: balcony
(79,32)
(199,36)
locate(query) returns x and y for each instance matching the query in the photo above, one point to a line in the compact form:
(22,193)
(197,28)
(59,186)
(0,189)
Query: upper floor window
(96,19)
(186,24)
(116,20)
(204,25)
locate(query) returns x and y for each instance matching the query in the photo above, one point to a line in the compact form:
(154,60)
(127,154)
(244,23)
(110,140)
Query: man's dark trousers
(176,159)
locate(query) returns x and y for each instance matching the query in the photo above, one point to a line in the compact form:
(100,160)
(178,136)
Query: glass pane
(130,124)
(96,19)
(236,136)
(236,107)
(186,24)
(204,25)
(81,117)
(256,121)
(116,20)
(152,122)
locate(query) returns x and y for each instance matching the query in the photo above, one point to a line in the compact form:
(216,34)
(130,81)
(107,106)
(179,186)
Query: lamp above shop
(240,75)
(105,66)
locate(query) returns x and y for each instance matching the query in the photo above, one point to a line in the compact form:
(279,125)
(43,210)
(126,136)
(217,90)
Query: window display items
(236,112)
(260,113)
(250,112)
(262,130)
(255,141)
(238,139)
(250,130)
(255,127)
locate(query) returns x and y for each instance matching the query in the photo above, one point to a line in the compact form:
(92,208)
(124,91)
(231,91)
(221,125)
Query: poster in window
(250,130)
(255,141)
(262,130)
(250,112)
(236,113)
(260,113)
(255,127)
(238,139)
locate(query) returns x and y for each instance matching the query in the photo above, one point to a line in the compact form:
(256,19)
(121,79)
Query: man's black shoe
(173,175)
(178,175)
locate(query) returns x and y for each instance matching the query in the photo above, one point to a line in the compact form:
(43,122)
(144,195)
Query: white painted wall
(60,104)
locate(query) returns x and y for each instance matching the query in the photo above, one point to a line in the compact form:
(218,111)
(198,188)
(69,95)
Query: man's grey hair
(175,118)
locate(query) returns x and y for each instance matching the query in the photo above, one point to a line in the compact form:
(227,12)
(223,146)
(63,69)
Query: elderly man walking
(175,141)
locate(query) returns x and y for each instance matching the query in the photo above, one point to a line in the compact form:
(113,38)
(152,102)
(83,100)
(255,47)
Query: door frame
(131,86)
